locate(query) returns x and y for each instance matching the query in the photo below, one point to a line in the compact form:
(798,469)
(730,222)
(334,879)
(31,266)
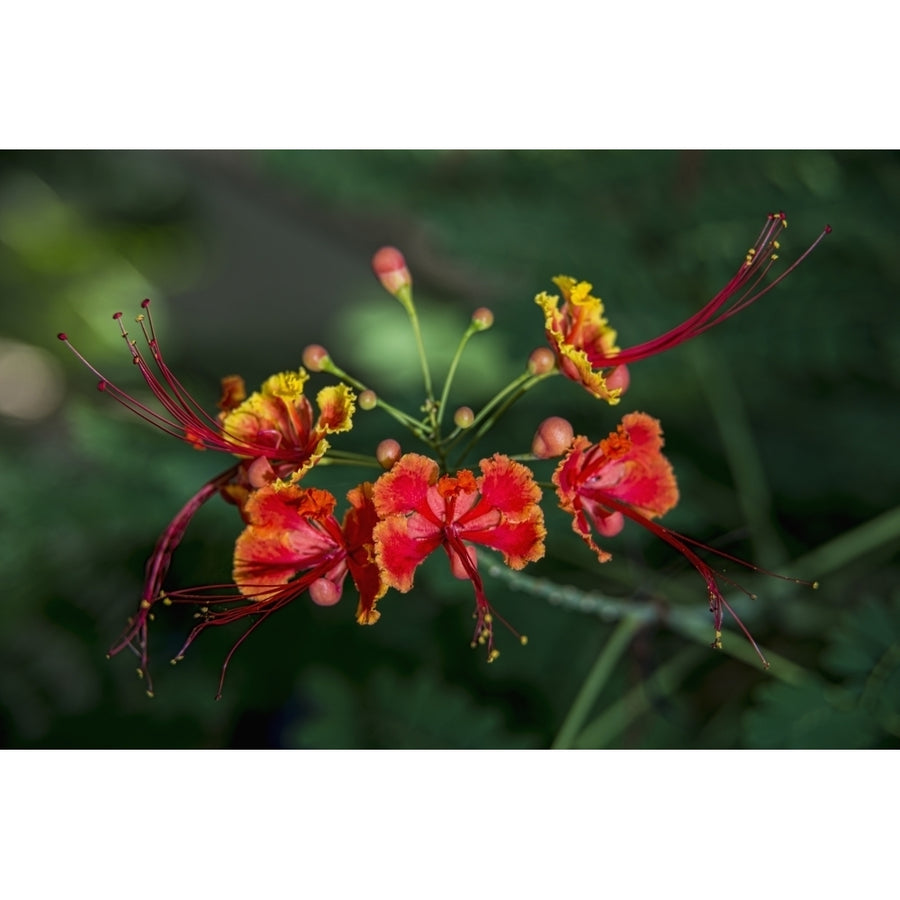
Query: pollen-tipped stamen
(250,600)
(136,636)
(717,601)
(756,265)
(185,418)
(484,612)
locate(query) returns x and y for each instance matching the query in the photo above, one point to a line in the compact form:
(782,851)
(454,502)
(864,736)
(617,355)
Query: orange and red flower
(274,433)
(628,467)
(626,476)
(421,510)
(293,544)
(585,345)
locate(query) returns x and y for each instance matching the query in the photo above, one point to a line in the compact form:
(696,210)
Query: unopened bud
(388,452)
(541,361)
(260,472)
(315,356)
(482,318)
(463,417)
(368,400)
(323,592)
(390,267)
(618,379)
(553,437)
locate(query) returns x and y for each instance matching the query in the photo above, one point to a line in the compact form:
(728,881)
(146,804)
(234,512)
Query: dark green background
(782,426)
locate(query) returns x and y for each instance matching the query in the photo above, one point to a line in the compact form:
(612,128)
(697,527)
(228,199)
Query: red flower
(293,544)
(585,344)
(626,476)
(627,466)
(273,432)
(421,510)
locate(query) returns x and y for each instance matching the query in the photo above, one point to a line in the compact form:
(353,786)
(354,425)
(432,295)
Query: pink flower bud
(482,318)
(388,452)
(390,267)
(315,356)
(260,472)
(541,361)
(553,437)
(323,592)
(464,417)
(368,400)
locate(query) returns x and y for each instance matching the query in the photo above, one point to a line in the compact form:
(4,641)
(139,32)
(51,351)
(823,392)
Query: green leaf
(806,716)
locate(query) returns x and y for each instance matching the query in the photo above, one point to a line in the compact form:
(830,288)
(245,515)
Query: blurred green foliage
(782,426)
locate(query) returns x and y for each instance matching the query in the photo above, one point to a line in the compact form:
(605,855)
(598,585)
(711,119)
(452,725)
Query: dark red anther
(101,385)
(117,315)
(63,336)
(827,229)
(145,303)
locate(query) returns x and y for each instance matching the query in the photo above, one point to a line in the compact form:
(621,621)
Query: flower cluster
(294,543)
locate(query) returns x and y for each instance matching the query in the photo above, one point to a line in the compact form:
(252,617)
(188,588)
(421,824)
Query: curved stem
(593,684)
(616,717)
(496,407)
(415,425)
(451,372)
(423,358)
(690,623)
(348,458)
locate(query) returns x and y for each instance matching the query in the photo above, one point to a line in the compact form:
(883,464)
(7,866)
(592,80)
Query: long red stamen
(184,417)
(743,286)
(717,601)
(484,612)
(269,599)
(136,635)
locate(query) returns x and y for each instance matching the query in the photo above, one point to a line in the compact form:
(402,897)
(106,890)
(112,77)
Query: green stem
(740,445)
(639,700)
(696,626)
(488,416)
(689,623)
(348,458)
(414,425)
(423,358)
(452,371)
(593,684)
(878,532)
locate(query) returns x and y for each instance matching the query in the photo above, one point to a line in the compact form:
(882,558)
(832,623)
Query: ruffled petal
(626,466)
(520,542)
(404,488)
(276,417)
(290,530)
(359,526)
(580,336)
(336,408)
(509,486)
(398,553)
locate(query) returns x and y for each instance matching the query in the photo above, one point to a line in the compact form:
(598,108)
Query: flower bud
(260,472)
(553,437)
(541,361)
(482,318)
(388,452)
(367,400)
(463,417)
(323,592)
(390,267)
(315,356)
